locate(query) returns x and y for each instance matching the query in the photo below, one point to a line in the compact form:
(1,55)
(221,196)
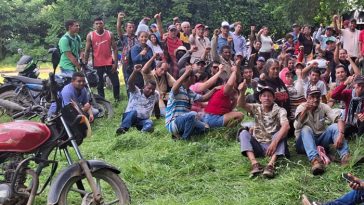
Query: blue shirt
(221,41)
(239,44)
(139,59)
(69,94)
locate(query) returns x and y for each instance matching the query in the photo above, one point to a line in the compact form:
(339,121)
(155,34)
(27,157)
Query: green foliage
(40,22)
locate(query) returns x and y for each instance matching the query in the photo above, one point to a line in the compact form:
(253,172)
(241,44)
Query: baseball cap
(261,58)
(225,23)
(180,48)
(330,40)
(329,27)
(359,79)
(197,61)
(239,54)
(295,25)
(153,25)
(199,25)
(172,27)
(313,90)
(299,63)
(261,88)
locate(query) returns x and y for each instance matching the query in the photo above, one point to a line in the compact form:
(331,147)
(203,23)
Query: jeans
(187,124)
(307,141)
(351,198)
(130,119)
(114,80)
(67,73)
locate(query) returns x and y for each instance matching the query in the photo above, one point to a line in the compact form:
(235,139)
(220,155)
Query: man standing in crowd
(104,56)
(202,43)
(70,48)
(239,40)
(225,39)
(350,38)
(126,42)
(311,130)
(185,34)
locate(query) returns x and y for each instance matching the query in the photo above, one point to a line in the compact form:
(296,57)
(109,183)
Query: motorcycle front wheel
(112,188)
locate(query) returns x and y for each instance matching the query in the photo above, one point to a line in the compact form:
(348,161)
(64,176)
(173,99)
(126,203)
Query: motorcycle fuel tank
(22,136)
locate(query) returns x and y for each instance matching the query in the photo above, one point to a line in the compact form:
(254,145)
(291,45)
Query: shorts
(213,120)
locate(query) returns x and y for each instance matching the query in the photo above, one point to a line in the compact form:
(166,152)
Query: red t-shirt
(101,47)
(361,40)
(219,104)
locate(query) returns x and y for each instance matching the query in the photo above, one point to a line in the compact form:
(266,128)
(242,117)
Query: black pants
(114,80)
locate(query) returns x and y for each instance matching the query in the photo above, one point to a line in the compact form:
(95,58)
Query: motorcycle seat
(25,80)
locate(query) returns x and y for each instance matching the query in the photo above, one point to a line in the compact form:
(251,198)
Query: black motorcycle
(27,91)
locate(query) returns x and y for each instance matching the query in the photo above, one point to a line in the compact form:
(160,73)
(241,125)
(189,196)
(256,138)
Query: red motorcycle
(26,149)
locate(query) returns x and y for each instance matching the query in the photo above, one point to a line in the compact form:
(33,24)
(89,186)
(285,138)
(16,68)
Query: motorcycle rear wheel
(115,193)
(21,99)
(105,109)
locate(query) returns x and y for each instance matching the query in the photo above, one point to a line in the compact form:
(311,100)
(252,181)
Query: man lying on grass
(181,122)
(271,127)
(140,105)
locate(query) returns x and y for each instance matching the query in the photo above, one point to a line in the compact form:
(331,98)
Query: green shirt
(69,43)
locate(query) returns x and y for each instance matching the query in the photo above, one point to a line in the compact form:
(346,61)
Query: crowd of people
(309,88)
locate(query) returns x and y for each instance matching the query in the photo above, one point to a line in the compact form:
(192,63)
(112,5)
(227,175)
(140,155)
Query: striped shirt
(180,104)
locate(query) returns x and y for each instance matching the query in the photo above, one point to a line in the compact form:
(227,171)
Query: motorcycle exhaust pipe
(9,105)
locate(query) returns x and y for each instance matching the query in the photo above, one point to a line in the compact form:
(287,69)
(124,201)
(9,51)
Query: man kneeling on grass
(311,130)
(140,105)
(181,122)
(271,127)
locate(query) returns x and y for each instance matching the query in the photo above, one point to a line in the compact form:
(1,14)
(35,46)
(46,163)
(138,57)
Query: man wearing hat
(311,130)
(354,104)
(270,129)
(225,39)
(173,42)
(296,30)
(258,68)
(202,43)
(181,122)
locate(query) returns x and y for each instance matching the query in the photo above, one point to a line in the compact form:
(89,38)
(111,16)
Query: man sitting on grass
(311,130)
(271,127)
(181,122)
(140,105)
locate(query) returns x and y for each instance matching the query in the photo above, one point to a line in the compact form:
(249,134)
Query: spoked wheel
(112,188)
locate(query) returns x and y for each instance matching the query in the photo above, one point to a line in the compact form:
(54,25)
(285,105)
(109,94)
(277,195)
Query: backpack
(56,55)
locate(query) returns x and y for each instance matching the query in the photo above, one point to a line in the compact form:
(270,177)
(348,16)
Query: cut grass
(208,169)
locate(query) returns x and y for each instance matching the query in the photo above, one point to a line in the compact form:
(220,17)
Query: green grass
(208,169)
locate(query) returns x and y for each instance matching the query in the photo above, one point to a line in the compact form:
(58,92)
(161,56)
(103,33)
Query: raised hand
(121,15)
(138,67)
(158,15)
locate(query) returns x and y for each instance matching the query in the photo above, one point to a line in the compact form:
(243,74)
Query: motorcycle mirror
(20,51)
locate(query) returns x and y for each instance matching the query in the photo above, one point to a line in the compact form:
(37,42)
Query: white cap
(225,23)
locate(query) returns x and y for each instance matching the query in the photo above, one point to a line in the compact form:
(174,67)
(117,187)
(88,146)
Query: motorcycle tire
(117,189)
(105,109)
(21,99)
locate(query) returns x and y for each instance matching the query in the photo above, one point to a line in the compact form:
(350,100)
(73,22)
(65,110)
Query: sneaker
(269,171)
(317,166)
(121,131)
(345,160)
(256,169)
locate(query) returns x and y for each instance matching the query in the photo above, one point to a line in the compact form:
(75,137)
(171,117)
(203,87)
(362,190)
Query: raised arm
(214,54)
(336,53)
(146,68)
(229,86)
(211,81)
(115,53)
(241,99)
(178,83)
(132,78)
(121,16)
(355,68)
(159,23)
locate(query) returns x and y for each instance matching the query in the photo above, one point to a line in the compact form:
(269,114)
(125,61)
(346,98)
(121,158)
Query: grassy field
(208,169)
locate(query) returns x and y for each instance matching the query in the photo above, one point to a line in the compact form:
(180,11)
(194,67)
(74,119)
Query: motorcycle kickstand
(96,193)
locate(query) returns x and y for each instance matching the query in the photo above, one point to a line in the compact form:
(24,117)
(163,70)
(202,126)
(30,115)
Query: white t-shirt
(351,41)
(155,49)
(266,43)
(142,104)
